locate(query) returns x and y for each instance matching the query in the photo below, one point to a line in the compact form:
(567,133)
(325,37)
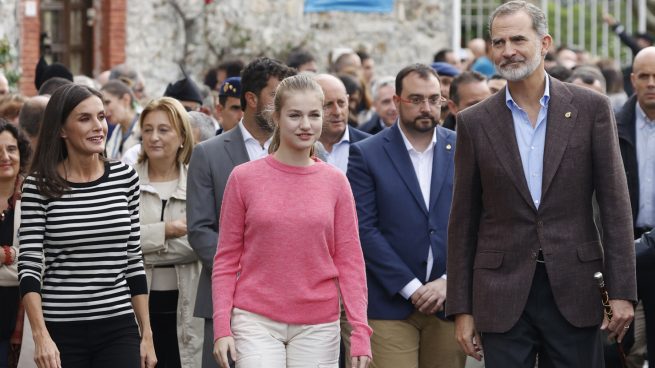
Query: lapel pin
(448,147)
(567,115)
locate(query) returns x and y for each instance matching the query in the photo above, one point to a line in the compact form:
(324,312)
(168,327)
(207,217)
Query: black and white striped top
(89,238)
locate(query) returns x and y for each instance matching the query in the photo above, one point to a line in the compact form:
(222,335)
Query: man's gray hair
(204,123)
(539,22)
(382,82)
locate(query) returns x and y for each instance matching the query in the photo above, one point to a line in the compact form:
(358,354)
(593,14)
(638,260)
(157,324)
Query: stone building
(157,36)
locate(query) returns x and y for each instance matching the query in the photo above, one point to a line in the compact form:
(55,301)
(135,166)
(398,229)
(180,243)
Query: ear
(251,100)
(452,107)
(633,79)
(546,42)
(126,99)
(396,101)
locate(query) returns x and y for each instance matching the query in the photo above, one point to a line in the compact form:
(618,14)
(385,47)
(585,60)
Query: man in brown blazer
(523,246)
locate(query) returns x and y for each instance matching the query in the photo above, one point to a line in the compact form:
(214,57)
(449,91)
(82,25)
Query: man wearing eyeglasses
(523,246)
(402,182)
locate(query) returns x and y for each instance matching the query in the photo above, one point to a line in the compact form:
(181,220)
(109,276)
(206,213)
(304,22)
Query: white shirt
(340,152)
(255,150)
(422,163)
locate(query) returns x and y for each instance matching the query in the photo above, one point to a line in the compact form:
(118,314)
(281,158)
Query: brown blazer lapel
(562,116)
(503,140)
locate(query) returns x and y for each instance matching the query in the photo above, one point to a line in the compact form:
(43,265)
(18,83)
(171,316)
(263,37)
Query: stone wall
(162,34)
(9,28)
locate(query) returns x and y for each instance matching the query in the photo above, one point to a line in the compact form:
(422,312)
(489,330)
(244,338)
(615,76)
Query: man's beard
(521,72)
(419,127)
(263,119)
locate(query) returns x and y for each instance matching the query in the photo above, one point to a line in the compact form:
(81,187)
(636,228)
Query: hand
(360,361)
(466,336)
(46,354)
(175,229)
(609,19)
(222,347)
(148,357)
(623,313)
(429,298)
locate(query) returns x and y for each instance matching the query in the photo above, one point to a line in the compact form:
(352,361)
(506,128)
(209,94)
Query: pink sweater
(290,234)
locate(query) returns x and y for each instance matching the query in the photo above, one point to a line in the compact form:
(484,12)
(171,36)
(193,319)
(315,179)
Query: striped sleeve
(135,273)
(31,236)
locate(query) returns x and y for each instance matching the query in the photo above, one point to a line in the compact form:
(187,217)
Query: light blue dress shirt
(645,134)
(531,141)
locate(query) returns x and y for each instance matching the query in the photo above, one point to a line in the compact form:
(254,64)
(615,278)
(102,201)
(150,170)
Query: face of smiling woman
(300,120)
(85,129)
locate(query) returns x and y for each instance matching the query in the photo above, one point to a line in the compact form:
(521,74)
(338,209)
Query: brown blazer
(495,231)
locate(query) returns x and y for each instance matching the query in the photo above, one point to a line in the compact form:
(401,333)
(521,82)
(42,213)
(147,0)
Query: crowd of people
(279,215)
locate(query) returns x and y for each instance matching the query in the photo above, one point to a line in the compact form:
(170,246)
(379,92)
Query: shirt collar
(642,119)
(248,137)
(408,144)
(345,137)
(543,100)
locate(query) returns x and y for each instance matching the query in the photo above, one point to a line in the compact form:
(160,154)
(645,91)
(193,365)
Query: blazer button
(540,223)
(431,231)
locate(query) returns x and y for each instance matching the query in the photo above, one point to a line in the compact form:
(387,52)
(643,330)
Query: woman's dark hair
(118,89)
(52,149)
(24,149)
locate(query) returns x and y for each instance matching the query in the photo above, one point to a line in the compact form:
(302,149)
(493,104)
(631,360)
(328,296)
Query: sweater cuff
(138,285)
(29,285)
(360,344)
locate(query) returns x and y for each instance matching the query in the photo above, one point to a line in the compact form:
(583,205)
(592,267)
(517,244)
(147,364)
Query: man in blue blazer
(402,182)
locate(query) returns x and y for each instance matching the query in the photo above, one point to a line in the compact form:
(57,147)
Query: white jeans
(264,343)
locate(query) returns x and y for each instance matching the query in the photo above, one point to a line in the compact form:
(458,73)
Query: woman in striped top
(80,266)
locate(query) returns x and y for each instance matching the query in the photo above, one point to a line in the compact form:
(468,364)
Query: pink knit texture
(290,234)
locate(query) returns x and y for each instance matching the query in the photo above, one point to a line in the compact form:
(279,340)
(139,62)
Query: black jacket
(626,123)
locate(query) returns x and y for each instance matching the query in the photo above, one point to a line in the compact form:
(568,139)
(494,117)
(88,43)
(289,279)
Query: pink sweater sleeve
(228,256)
(349,261)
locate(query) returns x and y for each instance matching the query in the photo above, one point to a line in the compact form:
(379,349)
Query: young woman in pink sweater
(288,248)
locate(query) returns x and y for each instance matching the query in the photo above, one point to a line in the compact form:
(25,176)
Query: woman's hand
(175,229)
(148,357)
(222,347)
(46,354)
(360,361)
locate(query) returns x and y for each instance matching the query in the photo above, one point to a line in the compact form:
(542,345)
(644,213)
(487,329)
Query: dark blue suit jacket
(395,227)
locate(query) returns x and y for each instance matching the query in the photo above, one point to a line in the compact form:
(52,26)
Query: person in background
(588,76)
(385,110)
(496,83)
(446,74)
(187,92)
(308,257)
(368,68)
(229,104)
(447,55)
(50,86)
(31,118)
(120,107)
(302,60)
(172,267)
(466,90)
(79,237)
(202,126)
(14,158)
(10,106)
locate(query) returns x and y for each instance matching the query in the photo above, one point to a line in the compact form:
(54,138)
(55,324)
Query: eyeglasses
(433,101)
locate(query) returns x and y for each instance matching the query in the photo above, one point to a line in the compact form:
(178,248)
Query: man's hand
(623,313)
(609,19)
(466,336)
(429,298)
(175,229)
